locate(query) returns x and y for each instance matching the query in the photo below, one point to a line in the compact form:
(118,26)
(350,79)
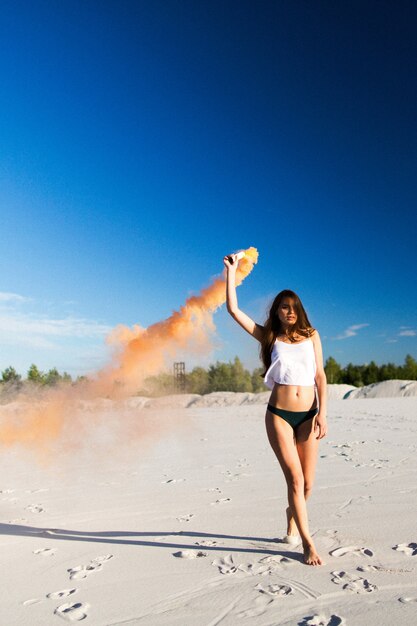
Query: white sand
(180,530)
(387,389)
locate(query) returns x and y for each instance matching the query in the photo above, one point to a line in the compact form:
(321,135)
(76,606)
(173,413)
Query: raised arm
(254,329)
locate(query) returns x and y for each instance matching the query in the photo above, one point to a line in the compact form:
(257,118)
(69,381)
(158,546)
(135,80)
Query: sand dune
(386,389)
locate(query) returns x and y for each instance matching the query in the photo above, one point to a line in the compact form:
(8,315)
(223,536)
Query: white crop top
(292,364)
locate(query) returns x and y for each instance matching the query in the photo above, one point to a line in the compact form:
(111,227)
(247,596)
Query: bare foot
(311,557)
(291,525)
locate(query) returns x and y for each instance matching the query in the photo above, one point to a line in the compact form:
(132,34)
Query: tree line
(231,376)
(35,375)
(360,375)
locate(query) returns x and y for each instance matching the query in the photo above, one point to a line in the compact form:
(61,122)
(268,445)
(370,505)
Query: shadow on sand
(128,538)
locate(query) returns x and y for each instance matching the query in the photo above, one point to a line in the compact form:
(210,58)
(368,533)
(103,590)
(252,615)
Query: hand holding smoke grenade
(239,255)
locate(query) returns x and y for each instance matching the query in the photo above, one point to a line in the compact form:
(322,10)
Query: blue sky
(141,141)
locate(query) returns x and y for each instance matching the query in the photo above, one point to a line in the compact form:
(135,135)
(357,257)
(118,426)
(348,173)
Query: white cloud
(407,333)
(6,296)
(24,324)
(68,342)
(350,331)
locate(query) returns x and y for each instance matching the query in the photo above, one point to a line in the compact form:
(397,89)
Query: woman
(292,355)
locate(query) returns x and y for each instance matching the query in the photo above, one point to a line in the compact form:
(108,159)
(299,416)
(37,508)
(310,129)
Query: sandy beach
(183,525)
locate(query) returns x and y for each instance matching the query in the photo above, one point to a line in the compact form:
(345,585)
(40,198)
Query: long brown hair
(273,326)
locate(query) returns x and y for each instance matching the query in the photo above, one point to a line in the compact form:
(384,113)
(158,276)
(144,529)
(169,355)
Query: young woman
(292,355)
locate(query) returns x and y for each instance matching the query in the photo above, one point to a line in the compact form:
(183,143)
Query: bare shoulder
(318,351)
(315,337)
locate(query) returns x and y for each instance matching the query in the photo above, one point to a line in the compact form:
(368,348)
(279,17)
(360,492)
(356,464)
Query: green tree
(409,368)
(240,377)
(333,371)
(258,384)
(370,373)
(9,375)
(159,385)
(35,375)
(352,375)
(389,371)
(66,378)
(220,377)
(53,377)
(197,381)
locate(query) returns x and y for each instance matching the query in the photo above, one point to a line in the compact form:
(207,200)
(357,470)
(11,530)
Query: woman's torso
(293,397)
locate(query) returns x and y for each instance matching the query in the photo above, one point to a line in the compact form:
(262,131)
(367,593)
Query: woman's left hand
(320,423)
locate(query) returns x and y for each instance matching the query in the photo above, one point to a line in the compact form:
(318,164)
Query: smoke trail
(145,351)
(139,352)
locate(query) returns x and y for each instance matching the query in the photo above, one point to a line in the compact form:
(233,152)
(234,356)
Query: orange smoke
(139,352)
(145,351)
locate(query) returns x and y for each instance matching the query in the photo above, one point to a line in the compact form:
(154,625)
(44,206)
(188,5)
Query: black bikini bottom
(294,418)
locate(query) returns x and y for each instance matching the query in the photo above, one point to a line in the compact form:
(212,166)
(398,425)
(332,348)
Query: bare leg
(281,438)
(307,448)
(292,529)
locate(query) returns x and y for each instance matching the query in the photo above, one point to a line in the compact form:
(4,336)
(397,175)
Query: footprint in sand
(275,590)
(231,477)
(173,480)
(351,550)
(45,551)
(206,542)
(72,612)
(409,549)
(64,593)
(274,561)
(353,583)
(189,554)
(259,607)
(225,565)
(248,568)
(342,453)
(35,508)
(322,620)
(185,518)
(358,500)
(406,599)
(82,571)
(31,601)
(264,567)
(221,501)
(214,489)
(377,464)
(380,568)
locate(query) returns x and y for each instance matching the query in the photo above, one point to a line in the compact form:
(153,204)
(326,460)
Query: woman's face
(286,312)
